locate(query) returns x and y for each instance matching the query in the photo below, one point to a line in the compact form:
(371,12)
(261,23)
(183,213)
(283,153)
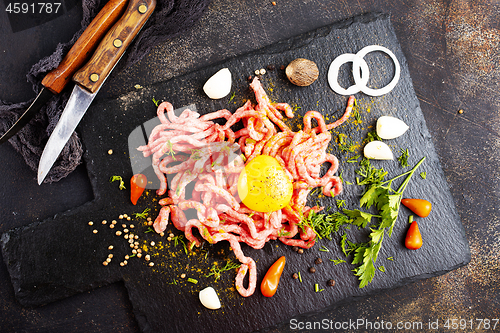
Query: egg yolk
(264,186)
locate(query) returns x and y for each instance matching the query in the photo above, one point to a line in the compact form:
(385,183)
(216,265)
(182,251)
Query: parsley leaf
(361,219)
(387,201)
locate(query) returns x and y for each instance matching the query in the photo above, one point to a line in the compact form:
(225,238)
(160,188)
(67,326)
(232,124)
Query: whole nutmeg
(302,72)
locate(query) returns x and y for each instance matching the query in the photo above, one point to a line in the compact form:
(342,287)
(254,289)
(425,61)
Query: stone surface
(68,258)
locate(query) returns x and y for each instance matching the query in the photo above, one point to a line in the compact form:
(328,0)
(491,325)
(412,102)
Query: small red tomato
(137,185)
(272,278)
(420,207)
(413,240)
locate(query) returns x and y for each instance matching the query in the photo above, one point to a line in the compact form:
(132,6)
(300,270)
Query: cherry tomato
(413,240)
(137,185)
(420,207)
(272,278)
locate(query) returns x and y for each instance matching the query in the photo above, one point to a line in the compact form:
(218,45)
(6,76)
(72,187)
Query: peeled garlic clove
(209,298)
(219,85)
(390,127)
(378,150)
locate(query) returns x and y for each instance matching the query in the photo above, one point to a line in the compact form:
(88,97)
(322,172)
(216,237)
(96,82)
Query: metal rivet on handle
(117,43)
(94,77)
(142,9)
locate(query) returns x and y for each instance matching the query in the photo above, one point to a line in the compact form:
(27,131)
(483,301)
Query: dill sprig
(216,271)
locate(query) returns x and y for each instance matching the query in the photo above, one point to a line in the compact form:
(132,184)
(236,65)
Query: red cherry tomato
(272,278)
(137,185)
(420,207)
(413,240)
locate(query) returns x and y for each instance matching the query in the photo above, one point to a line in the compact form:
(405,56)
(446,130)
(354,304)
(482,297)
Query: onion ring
(333,73)
(357,64)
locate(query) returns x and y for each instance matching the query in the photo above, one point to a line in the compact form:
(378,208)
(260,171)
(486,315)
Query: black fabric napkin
(170,18)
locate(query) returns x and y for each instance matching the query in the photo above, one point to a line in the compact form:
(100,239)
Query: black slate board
(62,256)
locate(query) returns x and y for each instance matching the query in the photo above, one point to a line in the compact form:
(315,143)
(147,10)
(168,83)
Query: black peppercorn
(300,251)
(312,270)
(318,261)
(295,276)
(330,283)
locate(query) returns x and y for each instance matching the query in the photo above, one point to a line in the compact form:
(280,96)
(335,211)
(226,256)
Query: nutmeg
(302,72)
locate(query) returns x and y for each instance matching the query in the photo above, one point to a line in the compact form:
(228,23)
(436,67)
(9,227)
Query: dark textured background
(452,51)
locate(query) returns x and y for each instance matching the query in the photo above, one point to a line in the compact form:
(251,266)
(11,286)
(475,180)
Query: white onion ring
(333,73)
(358,63)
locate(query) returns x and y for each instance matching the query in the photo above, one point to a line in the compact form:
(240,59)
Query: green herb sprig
(216,271)
(379,194)
(120,179)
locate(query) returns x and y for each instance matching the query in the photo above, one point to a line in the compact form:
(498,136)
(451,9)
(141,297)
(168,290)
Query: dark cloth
(170,18)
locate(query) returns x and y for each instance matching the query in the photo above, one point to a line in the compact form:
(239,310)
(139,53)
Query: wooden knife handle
(86,44)
(114,44)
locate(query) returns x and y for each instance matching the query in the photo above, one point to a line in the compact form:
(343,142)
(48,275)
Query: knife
(90,78)
(55,81)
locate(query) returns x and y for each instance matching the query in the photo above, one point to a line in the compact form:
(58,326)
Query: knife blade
(56,80)
(90,78)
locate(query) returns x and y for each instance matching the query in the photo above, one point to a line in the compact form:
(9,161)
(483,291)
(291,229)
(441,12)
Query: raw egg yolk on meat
(264,186)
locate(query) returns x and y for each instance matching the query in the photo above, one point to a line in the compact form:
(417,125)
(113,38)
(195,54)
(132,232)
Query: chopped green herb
(337,261)
(170,150)
(324,224)
(149,230)
(283,233)
(216,271)
(390,258)
(232,97)
(300,277)
(194,281)
(340,203)
(180,238)
(324,249)
(370,174)
(372,136)
(156,102)
(144,214)
(403,159)
(355,113)
(120,179)
(381,268)
(423,175)
(346,144)
(195,154)
(353,159)
(316,288)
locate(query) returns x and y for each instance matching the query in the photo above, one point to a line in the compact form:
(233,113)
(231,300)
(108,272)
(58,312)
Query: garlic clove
(219,85)
(390,127)
(209,298)
(378,150)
